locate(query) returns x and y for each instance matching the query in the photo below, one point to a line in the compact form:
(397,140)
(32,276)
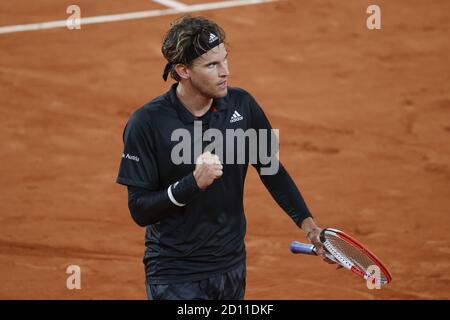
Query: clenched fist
(207,169)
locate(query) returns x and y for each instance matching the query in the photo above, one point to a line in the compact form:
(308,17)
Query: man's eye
(211,65)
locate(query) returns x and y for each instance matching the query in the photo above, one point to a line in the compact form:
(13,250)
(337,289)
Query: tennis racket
(349,253)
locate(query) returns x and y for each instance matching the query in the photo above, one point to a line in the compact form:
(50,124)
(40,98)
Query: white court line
(133,15)
(171,4)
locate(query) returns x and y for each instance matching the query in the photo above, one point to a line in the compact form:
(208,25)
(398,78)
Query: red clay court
(364,120)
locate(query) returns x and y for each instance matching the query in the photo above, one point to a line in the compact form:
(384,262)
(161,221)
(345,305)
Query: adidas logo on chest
(236,117)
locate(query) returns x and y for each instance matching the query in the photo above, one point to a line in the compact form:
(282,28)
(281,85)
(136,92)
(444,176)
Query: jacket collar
(218,104)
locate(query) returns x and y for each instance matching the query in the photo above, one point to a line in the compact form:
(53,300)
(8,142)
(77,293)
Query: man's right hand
(207,169)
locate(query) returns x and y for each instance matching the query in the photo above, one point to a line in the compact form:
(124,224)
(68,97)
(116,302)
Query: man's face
(209,73)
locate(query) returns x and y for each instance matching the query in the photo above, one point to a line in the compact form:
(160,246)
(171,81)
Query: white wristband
(171,197)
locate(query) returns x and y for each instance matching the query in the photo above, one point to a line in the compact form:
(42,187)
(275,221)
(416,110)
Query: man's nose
(224,71)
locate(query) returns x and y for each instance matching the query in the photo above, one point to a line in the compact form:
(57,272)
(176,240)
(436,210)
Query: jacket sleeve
(148,207)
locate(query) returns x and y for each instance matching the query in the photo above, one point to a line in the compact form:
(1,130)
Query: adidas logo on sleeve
(236,117)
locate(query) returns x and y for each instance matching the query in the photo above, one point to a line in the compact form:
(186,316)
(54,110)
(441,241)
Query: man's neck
(196,103)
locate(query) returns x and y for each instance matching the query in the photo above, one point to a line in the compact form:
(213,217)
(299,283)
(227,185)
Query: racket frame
(336,256)
(345,262)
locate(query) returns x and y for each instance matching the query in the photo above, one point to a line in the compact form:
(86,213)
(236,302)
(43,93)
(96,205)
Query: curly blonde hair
(184,38)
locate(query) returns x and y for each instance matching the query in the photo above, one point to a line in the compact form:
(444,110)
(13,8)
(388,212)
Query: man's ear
(182,71)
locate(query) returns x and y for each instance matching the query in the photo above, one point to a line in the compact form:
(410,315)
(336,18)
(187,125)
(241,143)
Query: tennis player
(193,210)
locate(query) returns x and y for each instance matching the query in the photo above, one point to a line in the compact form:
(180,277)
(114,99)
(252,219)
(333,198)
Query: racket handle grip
(298,247)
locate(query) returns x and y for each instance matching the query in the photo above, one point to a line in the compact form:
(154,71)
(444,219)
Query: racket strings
(355,255)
